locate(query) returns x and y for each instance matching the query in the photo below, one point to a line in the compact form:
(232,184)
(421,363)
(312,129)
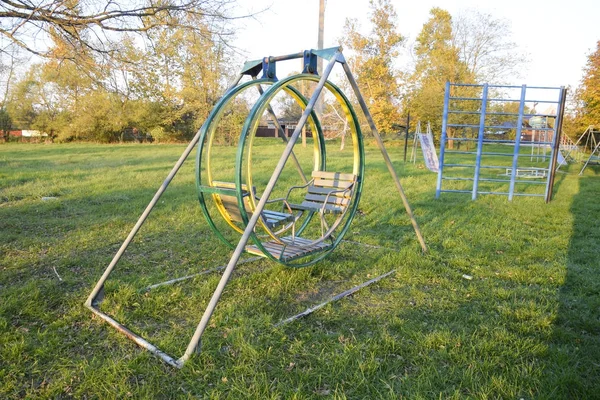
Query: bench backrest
(230,201)
(333,184)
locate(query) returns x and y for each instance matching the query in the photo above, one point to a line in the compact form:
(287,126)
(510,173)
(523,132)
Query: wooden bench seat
(270,219)
(327,192)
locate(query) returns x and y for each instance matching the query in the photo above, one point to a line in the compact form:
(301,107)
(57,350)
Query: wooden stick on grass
(348,292)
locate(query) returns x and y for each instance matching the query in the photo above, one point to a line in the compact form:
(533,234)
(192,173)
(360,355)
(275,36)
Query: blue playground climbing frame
(500,140)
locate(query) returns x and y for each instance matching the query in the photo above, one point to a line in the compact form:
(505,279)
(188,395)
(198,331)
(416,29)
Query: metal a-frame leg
(385,155)
(194,344)
(596,149)
(95,298)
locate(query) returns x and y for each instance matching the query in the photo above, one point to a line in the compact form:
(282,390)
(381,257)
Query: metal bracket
(268,68)
(310,63)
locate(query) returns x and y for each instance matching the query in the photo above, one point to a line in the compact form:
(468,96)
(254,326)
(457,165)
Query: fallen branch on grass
(348,292)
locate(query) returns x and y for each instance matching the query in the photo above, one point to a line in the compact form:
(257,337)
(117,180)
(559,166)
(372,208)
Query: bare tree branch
(89,24)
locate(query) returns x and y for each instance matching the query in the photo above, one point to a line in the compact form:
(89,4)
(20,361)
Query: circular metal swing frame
(268,241)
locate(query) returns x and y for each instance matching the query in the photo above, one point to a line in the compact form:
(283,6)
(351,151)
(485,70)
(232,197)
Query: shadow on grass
(574,349)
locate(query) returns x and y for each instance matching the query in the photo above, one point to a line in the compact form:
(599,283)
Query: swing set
(292,220)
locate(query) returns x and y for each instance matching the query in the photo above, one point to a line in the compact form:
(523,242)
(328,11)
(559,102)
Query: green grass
(526,325)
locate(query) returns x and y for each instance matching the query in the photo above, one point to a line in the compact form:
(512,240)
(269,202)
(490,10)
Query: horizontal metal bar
(456,179)
(491,141)
(206,271)
(529,194)
(530,182)
(502,113)
(459,165)
(464,112)
(503,99)
(460,152)
(543,87)
(493,180)
(484,140)
(489,153)
(465,98)
(538,129)
(285,57)
(339,296)
(503,86)
(466,85)
(456,191)
(481,166)
(140,341)
(485,126)
(495,166)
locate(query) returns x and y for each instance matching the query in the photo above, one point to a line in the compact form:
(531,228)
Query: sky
(556,36)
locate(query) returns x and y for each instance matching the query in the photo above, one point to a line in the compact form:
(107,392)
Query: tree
(98,26)
(437,61)
(484,45)
(588,92)
(373,61)
(5,124)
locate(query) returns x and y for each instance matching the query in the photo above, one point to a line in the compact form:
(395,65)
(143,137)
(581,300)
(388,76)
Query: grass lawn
(527,325)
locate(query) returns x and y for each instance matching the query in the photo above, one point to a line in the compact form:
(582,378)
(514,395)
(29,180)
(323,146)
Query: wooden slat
(312,206)
(332,175)
(302,247)
(333,183)
(333,199)
(324,190)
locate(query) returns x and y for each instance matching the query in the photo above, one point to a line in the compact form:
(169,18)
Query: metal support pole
(319,105)
(195,341)
(98,288)
(406,135)
(284,137)
(515,162)
(589,158)
(480,141)
(438,188)
(555,143)
(385,155)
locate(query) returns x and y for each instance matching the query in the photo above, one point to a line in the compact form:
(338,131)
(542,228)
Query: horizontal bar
(493,180)
(502,86)
(464,112)
(502,99)
(484,140)
(529,194)
(465,98)
(530,182)
(527,101)
(485,126)
(481,166)
(456,179)
(285,57)
(456,191)
(543,87)
(459,165)
(538,129)
(488,153)
(206,271)
(466,85)
(339,296)
(500,193)
(140,341)
(523,142)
